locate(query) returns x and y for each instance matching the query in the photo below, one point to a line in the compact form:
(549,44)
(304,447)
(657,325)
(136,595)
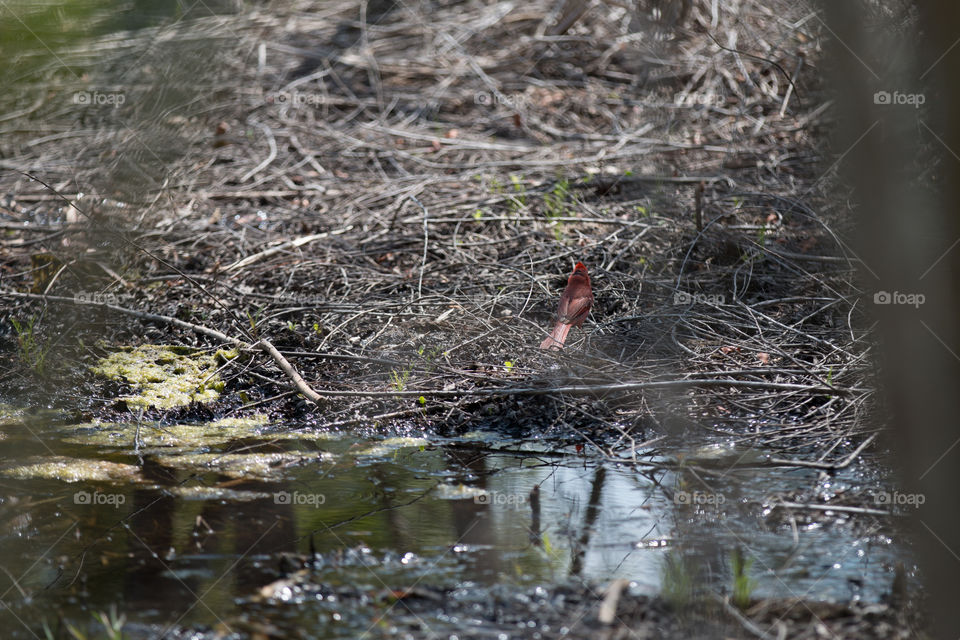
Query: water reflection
(197,545)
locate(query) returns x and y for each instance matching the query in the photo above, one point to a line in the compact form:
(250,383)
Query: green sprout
(678,581)
(743,584)
(555,202)
(555,206)
(518,201)
(32,353)
(254,319)
(112,624)
(400,379)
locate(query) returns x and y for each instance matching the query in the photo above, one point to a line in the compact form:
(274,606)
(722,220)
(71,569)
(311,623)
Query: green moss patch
(74,470)
(166,377)
(215,493)
(249,466)
(246,422)
(390,445)
(170,438)
(305,435)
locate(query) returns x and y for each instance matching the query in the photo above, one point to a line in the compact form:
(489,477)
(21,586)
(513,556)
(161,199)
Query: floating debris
(391,445)
(217,493)
(252,466)
(460,492)
(168,438)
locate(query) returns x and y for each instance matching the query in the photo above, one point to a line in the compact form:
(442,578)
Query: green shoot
(743,584)
(32,353)
(677,581)
(518,200)
(555,206)
(399,379)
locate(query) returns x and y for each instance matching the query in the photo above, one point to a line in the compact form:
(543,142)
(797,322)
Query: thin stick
(826,465)
(272,143)
(742,619)
(292,244)
(698,206)
(426,238)
(832,507)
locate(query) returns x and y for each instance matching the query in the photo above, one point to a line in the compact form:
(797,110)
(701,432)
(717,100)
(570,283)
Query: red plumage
(575,303)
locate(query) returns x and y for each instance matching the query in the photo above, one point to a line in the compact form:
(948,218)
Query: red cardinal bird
(575,303)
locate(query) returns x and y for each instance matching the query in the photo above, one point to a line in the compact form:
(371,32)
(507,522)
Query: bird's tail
(557,337)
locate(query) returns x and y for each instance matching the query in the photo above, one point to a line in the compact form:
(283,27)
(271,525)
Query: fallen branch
(589,389)
(288,369)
